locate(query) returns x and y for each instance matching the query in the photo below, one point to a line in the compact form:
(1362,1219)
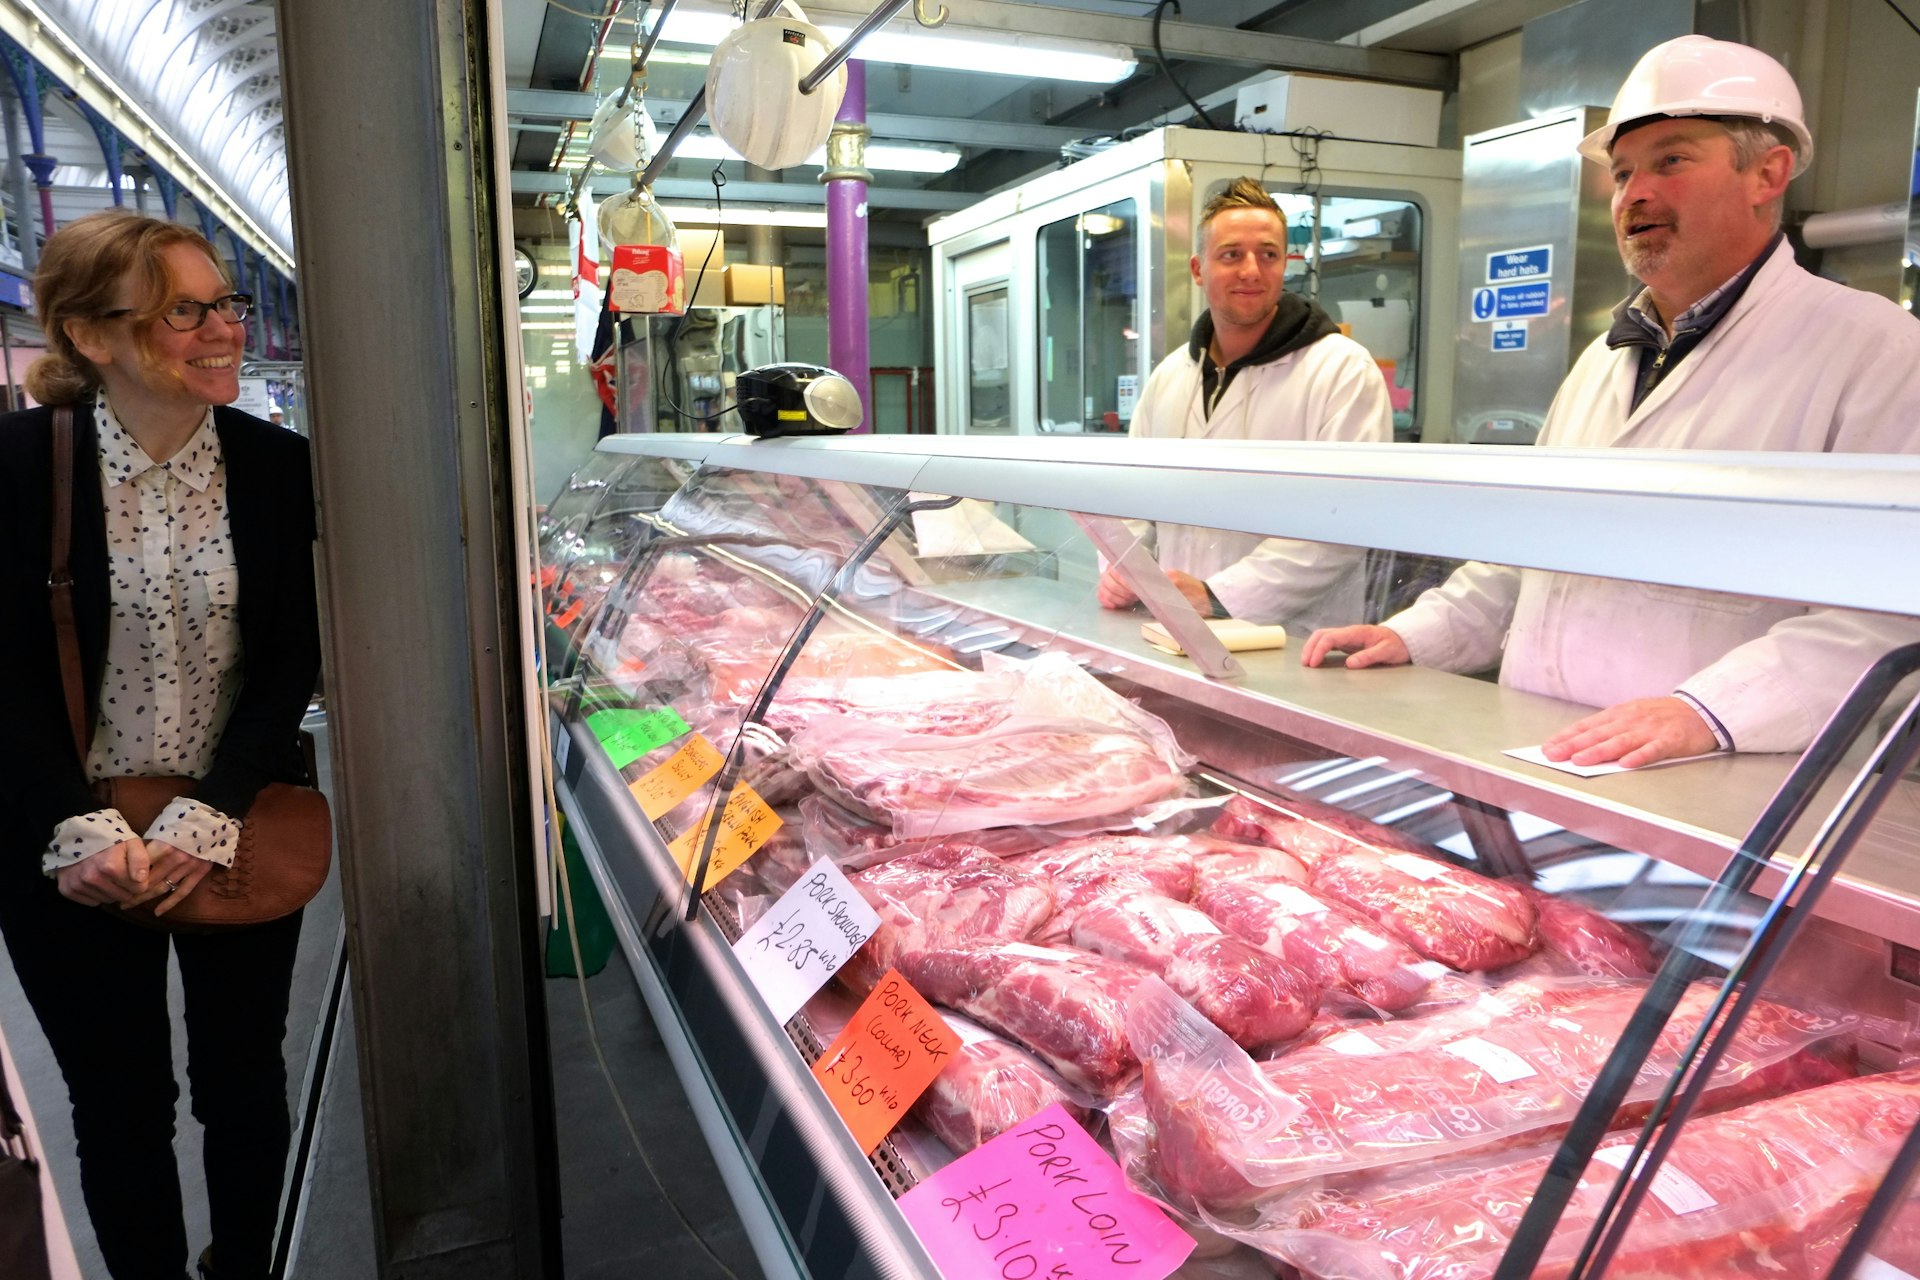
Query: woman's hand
(117,873)
(172,874)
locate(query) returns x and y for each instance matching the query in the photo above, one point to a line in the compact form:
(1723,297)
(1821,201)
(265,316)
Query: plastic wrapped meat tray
(990,1085)
(1255,997)
(1021,772)
(1495,1084)
(1336,949)
(939,896)
(1769,1191)
(1068,1007)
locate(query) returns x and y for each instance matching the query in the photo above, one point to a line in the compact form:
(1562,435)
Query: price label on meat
(662,790)
(886,1058)
(1042,1202)
(747,823)
(627,733)
(804,938)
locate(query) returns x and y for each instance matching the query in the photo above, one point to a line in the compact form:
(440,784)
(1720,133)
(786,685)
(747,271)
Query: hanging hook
(938,18)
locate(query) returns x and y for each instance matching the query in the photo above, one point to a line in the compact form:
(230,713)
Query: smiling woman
(189,529)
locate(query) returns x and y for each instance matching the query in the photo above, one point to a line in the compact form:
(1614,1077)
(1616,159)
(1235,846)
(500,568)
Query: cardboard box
(694,243)
(756,286)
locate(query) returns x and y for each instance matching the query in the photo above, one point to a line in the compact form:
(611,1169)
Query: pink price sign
(1042,1202)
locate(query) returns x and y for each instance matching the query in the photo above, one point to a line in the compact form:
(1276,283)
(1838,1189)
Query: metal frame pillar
(846,177)
(401,286)
(25,74)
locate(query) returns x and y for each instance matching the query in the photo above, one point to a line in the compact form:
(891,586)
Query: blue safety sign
(1513,301)
(1520,264)
(1510,335)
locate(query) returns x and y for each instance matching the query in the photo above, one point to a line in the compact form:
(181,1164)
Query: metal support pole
(411,423)
(846,177)
(17,177)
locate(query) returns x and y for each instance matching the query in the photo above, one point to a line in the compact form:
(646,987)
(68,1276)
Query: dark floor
(617,1222)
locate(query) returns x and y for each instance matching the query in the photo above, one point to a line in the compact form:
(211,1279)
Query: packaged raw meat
(989,1086)
(856,844)
(1220,860)
(1446,913)
(1252,995)
(1069,1007)
(1018,773)
(1309,828)
(1213,1129)
(938,896)
(1768,1191)
(955,702)
(1334,947)
(1580,940)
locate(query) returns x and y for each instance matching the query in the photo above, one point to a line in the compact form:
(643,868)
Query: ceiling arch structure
(193,83)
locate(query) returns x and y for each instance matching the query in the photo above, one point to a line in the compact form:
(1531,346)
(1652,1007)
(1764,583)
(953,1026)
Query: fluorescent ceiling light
(1009,54)
(880,155)
(734,215)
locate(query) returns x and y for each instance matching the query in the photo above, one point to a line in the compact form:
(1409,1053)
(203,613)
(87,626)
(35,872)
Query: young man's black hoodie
(1296,323)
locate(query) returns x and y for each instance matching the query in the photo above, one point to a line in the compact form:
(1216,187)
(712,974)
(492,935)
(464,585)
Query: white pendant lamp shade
(753,90)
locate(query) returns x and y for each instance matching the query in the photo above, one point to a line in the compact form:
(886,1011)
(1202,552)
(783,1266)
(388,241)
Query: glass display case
(1175,878)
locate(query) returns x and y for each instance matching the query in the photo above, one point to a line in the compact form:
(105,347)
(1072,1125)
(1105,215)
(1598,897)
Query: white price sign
(804,938)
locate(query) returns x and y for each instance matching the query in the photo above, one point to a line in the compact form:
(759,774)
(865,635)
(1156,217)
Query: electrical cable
(1159,55)
(581,13)
(1903,17)
(719,179)
(593,1038)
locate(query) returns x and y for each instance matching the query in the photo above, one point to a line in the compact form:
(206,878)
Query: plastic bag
(990,1085)
(1463,1084)
(939,896)
(1768,1190)
(1021,772)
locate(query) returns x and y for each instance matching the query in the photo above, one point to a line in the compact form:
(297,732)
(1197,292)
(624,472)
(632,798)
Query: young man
(1261,364)
(1728,344)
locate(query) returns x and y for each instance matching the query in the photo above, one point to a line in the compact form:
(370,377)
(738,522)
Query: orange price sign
(747,823)
(885,1059)
(675,778)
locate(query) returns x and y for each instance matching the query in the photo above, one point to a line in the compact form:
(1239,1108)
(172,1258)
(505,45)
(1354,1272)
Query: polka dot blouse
(173,639)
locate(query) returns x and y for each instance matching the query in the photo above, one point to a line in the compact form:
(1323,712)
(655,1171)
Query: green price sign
(627,734)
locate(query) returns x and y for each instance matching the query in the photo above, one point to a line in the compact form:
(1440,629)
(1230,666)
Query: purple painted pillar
(846,177)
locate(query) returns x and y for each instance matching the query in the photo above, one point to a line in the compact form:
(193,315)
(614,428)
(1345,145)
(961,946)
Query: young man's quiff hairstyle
(1241,193)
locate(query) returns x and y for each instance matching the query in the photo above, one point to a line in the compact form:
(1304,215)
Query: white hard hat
(753,90)
(1700,76)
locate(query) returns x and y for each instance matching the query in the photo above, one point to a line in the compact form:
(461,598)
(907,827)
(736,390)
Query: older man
(1728,344)
(1261,364)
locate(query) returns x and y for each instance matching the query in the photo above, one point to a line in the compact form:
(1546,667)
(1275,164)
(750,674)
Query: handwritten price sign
(747,823)
(1042,1202)
(676,778)
(627,733)
(884,1060)
(804,938)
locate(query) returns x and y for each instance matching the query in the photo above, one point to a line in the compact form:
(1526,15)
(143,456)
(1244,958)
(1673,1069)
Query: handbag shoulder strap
(60,580)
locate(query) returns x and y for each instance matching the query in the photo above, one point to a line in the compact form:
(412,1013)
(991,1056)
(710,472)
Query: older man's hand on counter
(1635,733)
(1365,646)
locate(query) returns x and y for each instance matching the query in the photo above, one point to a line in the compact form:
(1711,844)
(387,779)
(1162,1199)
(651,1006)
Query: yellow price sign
(676,778)
(747,823)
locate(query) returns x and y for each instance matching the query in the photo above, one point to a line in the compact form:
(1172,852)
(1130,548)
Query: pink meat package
(944,894)
(1211,1129)
(990,1085)
(1253,996)
(1768,1191)
(1446,913)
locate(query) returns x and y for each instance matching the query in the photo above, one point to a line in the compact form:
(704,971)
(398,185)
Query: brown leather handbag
(286,839)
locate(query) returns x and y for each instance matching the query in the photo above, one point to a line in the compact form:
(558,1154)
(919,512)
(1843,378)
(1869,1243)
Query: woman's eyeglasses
(187,315)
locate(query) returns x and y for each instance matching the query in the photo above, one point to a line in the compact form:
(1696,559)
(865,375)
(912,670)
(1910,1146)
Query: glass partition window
(1359,258)
(1048,773)
(1089,355)
(989,404)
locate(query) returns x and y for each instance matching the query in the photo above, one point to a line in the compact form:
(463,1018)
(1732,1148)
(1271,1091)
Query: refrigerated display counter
(897,651)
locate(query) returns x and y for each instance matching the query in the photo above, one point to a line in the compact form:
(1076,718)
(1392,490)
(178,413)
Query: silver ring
(171,885)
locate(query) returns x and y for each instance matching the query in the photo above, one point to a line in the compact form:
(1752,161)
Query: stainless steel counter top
(1452,730)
